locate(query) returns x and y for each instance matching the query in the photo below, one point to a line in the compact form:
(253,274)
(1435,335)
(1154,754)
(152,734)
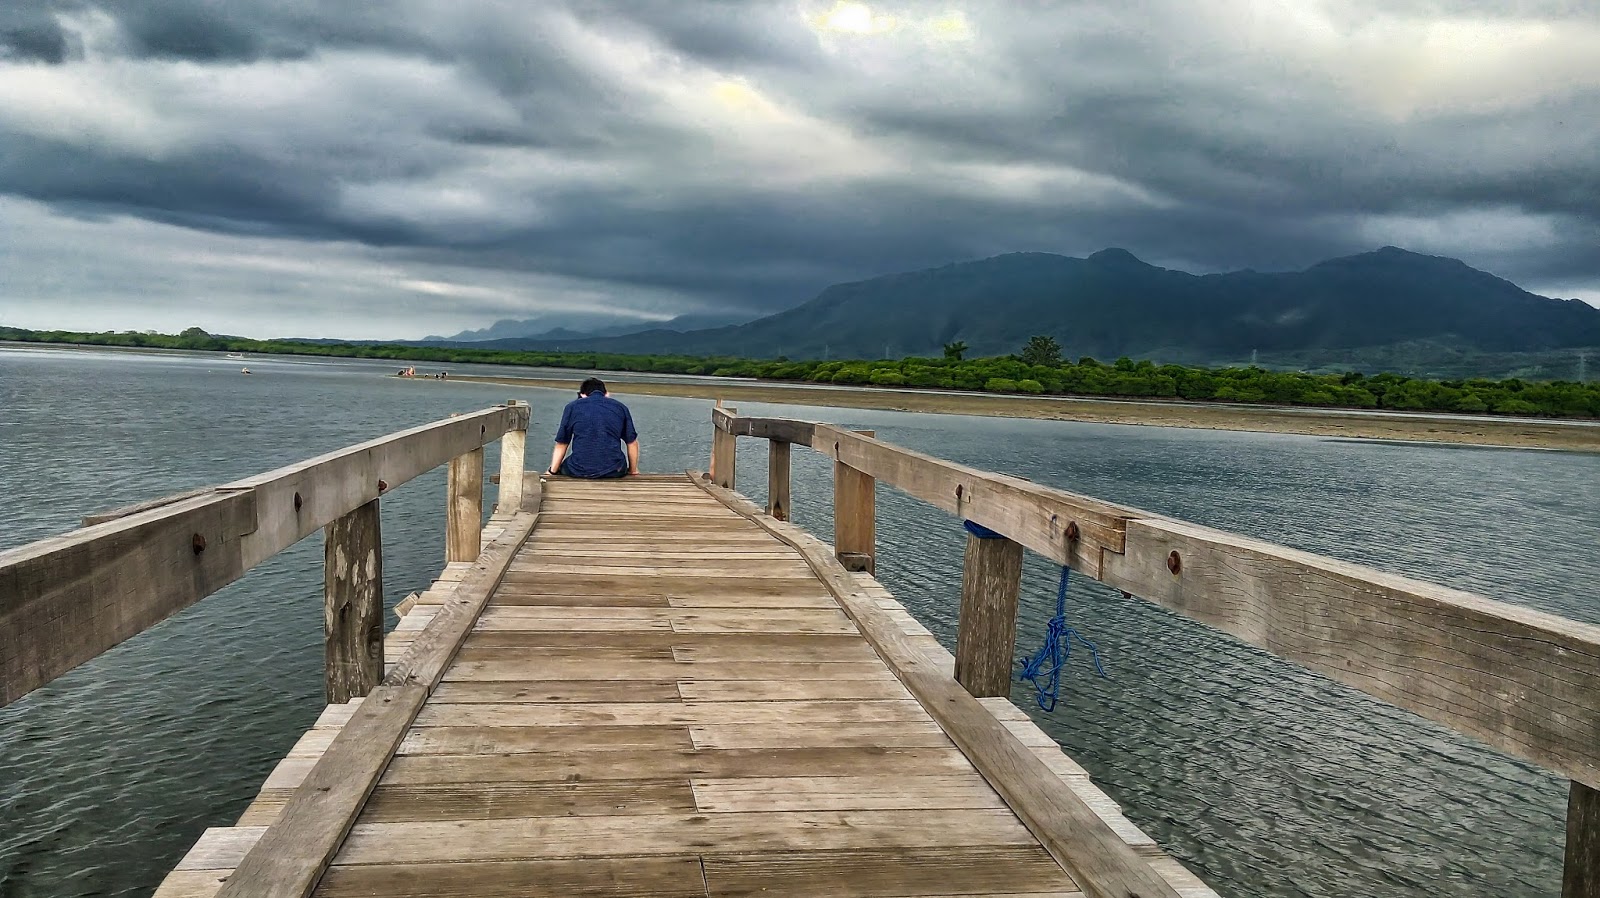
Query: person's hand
(634,473)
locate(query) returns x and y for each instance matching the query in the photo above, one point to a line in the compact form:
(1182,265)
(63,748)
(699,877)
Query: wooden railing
(67,599)
(1522,681)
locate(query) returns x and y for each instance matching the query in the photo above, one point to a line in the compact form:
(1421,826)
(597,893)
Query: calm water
(1266,779)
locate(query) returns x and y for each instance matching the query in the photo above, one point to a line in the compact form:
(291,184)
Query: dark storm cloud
(676,156)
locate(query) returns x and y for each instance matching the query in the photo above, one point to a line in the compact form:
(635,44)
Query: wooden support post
(855,513)
(1581,878)
(778,479)
(724,446)
(986,636)
(464,514)
(513,448)
(353,611)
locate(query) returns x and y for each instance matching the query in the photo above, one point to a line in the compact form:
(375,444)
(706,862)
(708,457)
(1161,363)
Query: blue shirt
(594,427)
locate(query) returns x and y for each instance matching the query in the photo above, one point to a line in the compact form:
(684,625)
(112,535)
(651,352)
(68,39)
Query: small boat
(235,355)
(244,370)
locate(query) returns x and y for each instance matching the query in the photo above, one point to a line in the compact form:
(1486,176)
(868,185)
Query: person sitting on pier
(595,427)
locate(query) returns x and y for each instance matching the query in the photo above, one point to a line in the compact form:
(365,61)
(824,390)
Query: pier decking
(653,687)
(661,698)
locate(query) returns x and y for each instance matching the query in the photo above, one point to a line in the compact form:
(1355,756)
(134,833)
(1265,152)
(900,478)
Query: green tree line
(1037,369)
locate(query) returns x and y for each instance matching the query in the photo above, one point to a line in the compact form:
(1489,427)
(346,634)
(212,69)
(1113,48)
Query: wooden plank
(829,760)
(1581,873)
(618,585)
(352,613)
(1524,682)
(855,513)
(778,465)
(738,601)
(464,507)
(657,670)
(708,646)
(661,877)
(551,691)
(731,569)
(67,599)
(503,738)
(510,598)
(877,689)
(986,638)
(996,871)
(667,714)
(884,792)
(293,853)
(556,837)
(899,734)
(1084,846)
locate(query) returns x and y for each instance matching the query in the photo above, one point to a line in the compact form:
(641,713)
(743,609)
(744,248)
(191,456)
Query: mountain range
(1112,304)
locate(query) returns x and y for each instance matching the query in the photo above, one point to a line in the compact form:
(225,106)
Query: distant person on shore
(594,431)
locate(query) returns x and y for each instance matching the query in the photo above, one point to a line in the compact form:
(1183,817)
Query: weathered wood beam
(1581,877)
(789,431)
(1035,516)
(464,507)
(778,468)
(1524,682)
(1086,847)
(724,449)
(67,599)
(513,452)
(123,511)
(296,501)
(855,516)
(353,606)
(986,636)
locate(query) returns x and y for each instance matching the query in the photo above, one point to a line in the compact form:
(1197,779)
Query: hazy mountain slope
(1112,304)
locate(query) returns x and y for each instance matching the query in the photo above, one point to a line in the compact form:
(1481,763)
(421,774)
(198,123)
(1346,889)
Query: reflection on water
(1268,780)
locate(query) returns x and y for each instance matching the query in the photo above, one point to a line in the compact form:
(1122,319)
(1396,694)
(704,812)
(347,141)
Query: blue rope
(1043,670)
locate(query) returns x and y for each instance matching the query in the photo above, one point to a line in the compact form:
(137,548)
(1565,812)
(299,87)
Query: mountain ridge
(1112,303)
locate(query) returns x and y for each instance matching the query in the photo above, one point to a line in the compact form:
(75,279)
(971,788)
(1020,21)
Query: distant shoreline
(1431,428)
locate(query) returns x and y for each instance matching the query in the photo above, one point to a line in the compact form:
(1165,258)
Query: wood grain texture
(352,611)
(986,638)
(778,469)
(978,871)
(464,507)
(513,452)
(67,599)
(292,854)
(855,514)
(1524,682)
(661,877)
(1581,875)
(1085,847)
(1033,515)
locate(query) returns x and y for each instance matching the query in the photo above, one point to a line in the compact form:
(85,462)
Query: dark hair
(591,386)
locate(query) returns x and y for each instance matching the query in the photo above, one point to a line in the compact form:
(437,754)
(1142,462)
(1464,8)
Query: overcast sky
(393,169)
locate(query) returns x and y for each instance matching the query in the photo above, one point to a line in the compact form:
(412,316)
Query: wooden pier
(652,687)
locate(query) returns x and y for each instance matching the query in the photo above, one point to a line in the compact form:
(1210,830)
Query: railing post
(724,447)
(855,512)
(1581,878)
(353,608)
(464,509)
(986,634)
(778,479)
(513,449)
